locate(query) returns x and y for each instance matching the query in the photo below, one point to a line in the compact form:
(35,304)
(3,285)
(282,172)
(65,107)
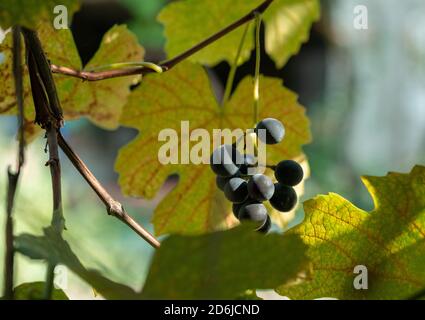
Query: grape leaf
(53,248)
(287,26)
(389,241)
(28,13)
(35,291)
(101,101)
(223,265)
(184,94)
(7,89)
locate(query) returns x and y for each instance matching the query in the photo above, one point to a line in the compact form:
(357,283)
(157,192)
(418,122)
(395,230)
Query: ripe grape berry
(289,172)
(226,160)
(236,190)
(255,212)
(275,131)
(237,206)
(284,198)
(221,182)
(266,226)
(260,187)
(249,161)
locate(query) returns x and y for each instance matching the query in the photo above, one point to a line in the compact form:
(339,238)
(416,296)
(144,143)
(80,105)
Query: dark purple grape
(225,161)
(289,172)
(236,190)
(221,182)
(284,198)
(237,206)
(255,212)
(260,187)
(266,226)
(275,131)
(249,161)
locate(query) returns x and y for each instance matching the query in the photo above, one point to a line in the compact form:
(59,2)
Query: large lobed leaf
(28,13)
(223,265)
(287,26)
(184,94)
(389,241)
(101,101)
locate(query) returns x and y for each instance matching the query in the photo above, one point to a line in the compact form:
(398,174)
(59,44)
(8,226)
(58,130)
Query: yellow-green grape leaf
(184,29)
(287,23)
(7,89)
(184,94)
(389,241)
(223,265)
(101,102)
(28,13)
(35,291)
(109,96)
(53,248)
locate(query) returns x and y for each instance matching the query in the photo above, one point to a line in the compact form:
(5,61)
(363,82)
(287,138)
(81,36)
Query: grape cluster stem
(113,207)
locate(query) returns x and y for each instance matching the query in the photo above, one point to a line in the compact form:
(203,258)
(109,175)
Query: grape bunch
(249,192)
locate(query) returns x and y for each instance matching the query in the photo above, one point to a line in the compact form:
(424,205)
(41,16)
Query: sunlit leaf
(288,24)
(389,241)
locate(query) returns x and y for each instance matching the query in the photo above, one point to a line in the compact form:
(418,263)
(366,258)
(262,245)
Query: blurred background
(364,91)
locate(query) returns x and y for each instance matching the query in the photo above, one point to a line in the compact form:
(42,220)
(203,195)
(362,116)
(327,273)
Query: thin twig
(17,74)
(10,252)
(49,117)
(55,172)
(53,111)
(49,282)
(257,67)
(100,75)
(113,207)
(166,65)
(232,72)
(13,177)
(58,221)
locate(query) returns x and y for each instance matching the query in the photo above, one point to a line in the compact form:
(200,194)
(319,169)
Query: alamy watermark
(61,19)
(61,277)
(361,18)
(361,281)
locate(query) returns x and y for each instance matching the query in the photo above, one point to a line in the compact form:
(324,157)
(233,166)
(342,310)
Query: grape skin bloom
(275,131)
